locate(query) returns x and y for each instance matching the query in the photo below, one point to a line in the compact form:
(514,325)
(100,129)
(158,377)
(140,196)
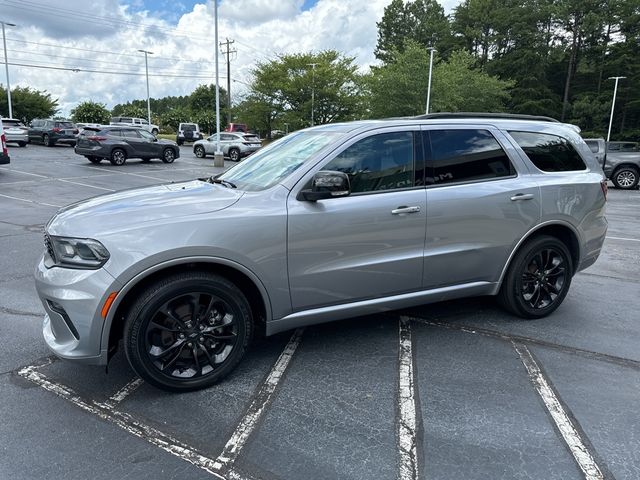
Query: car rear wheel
(22,144)
(154,131)
(187,331)
(168,155)
(538,278)
(234,154)
(626,178)
(94,159)
(199,151)
(47,140)
(118,157)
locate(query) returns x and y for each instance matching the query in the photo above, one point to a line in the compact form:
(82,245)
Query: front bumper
(73,300)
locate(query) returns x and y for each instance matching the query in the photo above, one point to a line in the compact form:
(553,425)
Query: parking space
(445,391)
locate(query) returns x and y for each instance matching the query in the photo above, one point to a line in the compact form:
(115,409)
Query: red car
(237,127)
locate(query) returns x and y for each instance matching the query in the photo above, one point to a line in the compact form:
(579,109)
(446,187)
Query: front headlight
(76,252)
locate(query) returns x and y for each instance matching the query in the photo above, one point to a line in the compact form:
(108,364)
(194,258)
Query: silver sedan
(233,145)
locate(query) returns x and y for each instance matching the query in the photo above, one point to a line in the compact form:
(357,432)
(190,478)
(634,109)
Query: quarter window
(549,153)
(465,156)
(376,163)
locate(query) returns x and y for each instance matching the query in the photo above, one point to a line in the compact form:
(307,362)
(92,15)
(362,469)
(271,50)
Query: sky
(80,50)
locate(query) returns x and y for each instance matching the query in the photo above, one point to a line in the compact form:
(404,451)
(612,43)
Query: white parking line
(24,173)
(260,402)
(407,423)
(624,238)
(30,201)
(578,449)
(115,399)
(85,185)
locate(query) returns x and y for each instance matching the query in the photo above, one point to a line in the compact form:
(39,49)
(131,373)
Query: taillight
(56,129)
(96,138)
(4,145)
(605,188)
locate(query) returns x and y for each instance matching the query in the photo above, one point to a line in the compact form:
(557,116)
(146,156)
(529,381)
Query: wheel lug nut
(201,339)
(189,344)
(181,335)
(201,327)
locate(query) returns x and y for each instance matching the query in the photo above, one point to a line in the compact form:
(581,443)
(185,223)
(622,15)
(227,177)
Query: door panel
(473,227)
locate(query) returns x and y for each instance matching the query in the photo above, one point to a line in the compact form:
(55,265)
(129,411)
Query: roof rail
(506,116)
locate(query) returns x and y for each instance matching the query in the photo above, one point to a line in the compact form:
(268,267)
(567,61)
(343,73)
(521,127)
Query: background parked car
(188,132)
(52,132)
(599,148)
(118,143)
(236,127)
(15,131)
(4,153)
(620,162)
(135,122)
(233,145)
(623,147)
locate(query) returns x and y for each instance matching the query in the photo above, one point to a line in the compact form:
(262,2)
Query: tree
(27,103)
(421,21)
(90,112)
(291,87)
(399,88)
(130,109)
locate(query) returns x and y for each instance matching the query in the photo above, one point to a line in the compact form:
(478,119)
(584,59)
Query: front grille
(49,246)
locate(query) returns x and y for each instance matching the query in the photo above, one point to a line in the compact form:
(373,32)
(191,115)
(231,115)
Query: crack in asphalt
(19,313)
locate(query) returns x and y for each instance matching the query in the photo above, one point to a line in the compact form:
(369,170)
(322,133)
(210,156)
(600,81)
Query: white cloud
(262,30)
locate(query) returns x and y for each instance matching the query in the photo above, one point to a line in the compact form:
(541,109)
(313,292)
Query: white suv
(135,122)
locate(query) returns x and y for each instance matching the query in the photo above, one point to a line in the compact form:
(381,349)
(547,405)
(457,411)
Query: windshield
(268,166)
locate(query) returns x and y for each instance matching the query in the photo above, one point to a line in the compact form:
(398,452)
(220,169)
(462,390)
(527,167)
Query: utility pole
(228,53)
(431,52)
(6,64)
(313,88)
(218,158)
(613,103)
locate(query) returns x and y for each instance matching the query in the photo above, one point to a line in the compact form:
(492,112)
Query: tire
(626,178)
(168,155)
(46,140)
(530,291)
(198,150)
(94,159)
(118,157)
(196,353)
(22,144)
(179,142)
(234,154)
(155,131)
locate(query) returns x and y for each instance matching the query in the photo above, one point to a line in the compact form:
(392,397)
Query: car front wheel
(626,178)
(538,278)
(199,151)
(118,157)
(187,331)
(168,155)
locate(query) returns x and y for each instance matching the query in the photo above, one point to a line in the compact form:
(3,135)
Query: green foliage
(27,103)
(399,88)
(282,91)
(90,112)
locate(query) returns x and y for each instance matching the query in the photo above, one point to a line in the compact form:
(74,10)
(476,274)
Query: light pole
(6,65)
(613,103)
(432,50)
(146,67)
(313,87)
(218,158)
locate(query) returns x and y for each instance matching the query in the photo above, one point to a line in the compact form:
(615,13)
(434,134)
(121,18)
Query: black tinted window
(130,133)
(465,155)
(549,153)
(379,162)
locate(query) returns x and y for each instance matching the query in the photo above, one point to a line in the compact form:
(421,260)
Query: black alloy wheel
(199,151)
(538,279)
(188,331)
(118,157)
(168,155)
(234,155)
(626,178)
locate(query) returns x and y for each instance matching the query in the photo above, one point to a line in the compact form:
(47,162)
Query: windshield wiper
(226,183)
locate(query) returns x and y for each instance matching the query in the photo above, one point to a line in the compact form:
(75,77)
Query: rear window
(188,127)
(11,123)
(64,125)
(251,138)
(549,153)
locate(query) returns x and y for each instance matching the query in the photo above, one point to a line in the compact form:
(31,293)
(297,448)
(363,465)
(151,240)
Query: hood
(128,208)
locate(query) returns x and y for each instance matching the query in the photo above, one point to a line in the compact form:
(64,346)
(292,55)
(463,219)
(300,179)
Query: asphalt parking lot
(457,390)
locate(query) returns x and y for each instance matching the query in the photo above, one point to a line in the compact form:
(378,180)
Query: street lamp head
(146,51)
(615,78)
(8,24)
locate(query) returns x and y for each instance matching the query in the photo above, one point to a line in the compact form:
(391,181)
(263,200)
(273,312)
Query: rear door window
(464,155)
(549,153)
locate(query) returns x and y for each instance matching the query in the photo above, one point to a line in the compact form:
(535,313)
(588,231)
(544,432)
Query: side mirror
(327,184)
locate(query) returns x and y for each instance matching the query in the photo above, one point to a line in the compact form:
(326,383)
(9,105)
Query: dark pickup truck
(620,161)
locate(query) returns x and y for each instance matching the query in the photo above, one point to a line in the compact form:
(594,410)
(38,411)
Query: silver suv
(326,223)
(233,145)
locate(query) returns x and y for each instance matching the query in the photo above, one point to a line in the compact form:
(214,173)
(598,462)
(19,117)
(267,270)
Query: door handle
(403,209)
(522,196)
